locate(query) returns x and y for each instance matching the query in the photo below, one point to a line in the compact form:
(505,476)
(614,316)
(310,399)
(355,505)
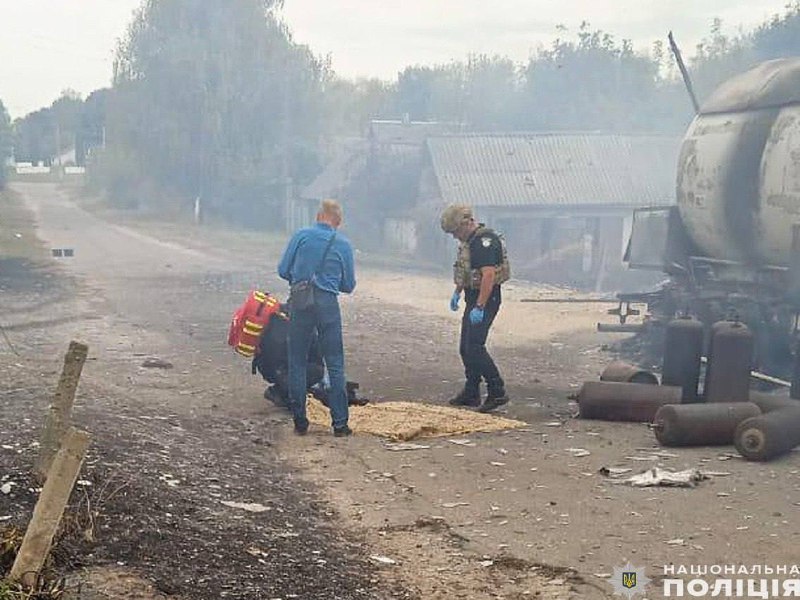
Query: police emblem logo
(629,581)
(486,241)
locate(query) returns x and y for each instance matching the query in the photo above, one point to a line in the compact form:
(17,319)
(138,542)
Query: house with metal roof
(377,178)
(564,201)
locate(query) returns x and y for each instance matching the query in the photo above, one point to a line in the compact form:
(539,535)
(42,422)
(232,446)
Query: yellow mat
(403,421)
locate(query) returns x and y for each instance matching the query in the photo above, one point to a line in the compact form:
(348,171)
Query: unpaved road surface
(505,515)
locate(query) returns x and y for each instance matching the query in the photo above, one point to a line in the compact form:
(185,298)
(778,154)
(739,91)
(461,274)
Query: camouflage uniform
(483,248)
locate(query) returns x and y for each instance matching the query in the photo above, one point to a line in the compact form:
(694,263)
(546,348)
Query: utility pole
(58,144)
(286,180)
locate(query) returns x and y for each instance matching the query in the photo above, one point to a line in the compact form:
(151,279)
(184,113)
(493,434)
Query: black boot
(469,396)
(494,399)
(275,394)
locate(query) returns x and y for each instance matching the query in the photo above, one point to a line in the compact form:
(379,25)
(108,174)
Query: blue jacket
(304,251)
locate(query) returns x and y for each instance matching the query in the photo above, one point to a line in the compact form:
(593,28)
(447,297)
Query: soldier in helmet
(480,269)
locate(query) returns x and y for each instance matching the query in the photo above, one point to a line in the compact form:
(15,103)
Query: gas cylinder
(628,373)
(770,402)
(770,435)
(683,348)
(729,359)
(701,424)
(616,401)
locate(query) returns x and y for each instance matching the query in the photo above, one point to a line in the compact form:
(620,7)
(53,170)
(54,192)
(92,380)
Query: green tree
(6,142)
(780,36)
(591,83)
(719,57)
(214,99)
(348,106)
(46,133)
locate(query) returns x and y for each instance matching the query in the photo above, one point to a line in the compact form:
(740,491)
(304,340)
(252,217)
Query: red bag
(249,321)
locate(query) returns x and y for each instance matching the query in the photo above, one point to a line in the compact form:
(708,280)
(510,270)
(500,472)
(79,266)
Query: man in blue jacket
(322,256)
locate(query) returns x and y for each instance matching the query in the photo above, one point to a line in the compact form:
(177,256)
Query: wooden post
(60,415)
(50,508)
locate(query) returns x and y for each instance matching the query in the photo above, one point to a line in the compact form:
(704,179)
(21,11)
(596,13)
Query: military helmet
(455,215)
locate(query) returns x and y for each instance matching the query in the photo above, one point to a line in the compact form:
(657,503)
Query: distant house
(377,179)
(397,136)
(563,200)
(347,158)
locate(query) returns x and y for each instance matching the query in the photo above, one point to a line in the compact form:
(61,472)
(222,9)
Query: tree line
(217,100)
(6,142)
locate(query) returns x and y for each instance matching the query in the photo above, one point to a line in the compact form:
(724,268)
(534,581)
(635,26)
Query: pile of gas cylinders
(685,411)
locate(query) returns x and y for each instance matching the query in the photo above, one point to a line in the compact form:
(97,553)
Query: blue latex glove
(476,315)
(454,301)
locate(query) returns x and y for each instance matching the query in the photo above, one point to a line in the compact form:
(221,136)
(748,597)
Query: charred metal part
(620,328)
(572,300)
(614,401)
(768,436)
(729,358)
(683,349)
(687,81)
(794,392)
(701,424)
(627,373)
(772,402)
(624,310)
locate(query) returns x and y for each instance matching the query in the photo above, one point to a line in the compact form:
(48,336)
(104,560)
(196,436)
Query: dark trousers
(326,318)
(477,361)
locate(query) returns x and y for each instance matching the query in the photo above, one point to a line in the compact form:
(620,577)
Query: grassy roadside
(17,230)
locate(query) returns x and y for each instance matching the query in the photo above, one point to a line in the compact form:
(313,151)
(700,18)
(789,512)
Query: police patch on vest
(486,242)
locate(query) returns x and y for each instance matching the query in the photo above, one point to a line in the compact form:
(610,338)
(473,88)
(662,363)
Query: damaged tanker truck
(731,244)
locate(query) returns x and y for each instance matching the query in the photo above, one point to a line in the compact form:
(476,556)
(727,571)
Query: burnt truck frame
(765,297)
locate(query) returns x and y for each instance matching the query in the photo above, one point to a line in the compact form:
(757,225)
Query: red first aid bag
(249,321)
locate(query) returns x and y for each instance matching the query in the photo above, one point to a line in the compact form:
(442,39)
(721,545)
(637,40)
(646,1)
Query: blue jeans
(326,318)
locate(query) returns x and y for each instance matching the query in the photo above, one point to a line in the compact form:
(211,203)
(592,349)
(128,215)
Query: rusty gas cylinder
(770,402)
(627,373)
(683,348)
(768,436)
(729,360)
(615,401)
(701,424)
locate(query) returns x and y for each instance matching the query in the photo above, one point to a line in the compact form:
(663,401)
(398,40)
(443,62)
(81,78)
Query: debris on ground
(614,472)
(578,452)
(403,446)
(156,363)
(657,477)
(248,506)
(404,421)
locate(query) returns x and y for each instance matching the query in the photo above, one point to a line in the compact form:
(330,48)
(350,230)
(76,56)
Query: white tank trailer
(731,245)
(738,188)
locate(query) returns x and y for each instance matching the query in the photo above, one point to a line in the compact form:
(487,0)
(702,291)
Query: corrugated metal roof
(555,169)
(410,133)
(331,182)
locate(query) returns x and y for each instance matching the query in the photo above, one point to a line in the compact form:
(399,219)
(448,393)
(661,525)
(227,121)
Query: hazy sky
(49,45)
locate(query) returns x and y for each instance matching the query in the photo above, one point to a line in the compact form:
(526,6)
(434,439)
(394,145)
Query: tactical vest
(468,278)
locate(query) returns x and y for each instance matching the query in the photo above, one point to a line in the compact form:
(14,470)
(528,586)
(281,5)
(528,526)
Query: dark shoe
(467,397)
(300,428)
(272,393)
(342,431)
(494,401)
(321,394)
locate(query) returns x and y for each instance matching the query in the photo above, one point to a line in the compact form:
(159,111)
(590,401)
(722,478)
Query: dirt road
(509,515)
